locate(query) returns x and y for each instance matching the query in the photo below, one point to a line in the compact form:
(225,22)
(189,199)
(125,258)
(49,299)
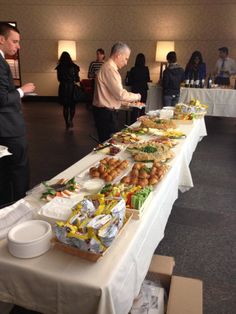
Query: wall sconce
(162,49)
(68,46)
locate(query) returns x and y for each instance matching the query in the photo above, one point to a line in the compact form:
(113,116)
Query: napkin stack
(13,215)
(4,151)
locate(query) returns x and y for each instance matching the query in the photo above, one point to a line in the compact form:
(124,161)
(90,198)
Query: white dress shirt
(109,91)
(226,65)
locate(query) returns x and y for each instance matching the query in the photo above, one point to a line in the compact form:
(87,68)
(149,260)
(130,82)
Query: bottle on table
(186,83)
(191,82)
(197,83)
(209,82)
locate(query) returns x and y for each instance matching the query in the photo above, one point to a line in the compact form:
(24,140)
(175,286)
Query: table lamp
(68,46)
(162,49)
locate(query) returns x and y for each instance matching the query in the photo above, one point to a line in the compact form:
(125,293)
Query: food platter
(60,188)
(87,255)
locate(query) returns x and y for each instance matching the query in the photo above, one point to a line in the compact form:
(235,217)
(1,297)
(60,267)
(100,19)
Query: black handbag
(78,94)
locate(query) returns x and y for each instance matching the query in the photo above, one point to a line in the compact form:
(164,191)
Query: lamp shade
(68,46)
(163,47)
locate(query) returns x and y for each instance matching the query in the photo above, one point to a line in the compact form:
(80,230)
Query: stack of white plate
(30,238)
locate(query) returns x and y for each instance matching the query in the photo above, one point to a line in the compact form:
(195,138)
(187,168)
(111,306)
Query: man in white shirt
(225,67)
(109,93)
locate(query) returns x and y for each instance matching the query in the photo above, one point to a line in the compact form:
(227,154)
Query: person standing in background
(14,169)
(225,67)
(67,75)
(173,76)
(95,66)
(195,68)
(109,93)
(138,78)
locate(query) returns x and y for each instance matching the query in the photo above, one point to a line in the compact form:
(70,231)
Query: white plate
(30,238)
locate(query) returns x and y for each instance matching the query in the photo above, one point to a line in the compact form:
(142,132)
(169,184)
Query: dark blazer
(11,118)
(138,78)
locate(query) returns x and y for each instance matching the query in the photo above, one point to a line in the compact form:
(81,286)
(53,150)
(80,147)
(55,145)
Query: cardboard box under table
(184,294)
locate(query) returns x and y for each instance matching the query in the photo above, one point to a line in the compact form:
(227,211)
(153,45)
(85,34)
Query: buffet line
(111,205)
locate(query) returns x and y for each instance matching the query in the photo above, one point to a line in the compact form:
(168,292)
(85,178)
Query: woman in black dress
(67,75)
(138,78)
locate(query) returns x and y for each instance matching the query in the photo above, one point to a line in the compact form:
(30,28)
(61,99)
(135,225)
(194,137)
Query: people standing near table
(225,67)
(109,93)
(67,75)
(14,169)
(173,76)
(95,66)
(196,69)
(138,78)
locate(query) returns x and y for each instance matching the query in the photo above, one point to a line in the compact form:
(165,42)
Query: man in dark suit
(14,169)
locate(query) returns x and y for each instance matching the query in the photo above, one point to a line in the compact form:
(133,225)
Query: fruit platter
(193,110)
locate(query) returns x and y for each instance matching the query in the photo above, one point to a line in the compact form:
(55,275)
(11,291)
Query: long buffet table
(221,102)
(60,283)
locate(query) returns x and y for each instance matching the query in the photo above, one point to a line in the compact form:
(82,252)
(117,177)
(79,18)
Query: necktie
(222,68)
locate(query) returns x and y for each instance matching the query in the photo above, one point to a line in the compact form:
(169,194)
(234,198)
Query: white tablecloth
(59,283)
(221,102)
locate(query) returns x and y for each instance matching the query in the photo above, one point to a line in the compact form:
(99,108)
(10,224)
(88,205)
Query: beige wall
(203,25)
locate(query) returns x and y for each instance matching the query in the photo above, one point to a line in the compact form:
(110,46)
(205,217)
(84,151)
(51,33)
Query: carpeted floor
(201,231)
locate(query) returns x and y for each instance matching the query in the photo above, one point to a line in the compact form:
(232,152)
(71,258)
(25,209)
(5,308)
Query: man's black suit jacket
(11,118)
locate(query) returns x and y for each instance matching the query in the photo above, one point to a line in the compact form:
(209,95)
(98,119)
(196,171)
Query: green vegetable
(106,188)
(148,149)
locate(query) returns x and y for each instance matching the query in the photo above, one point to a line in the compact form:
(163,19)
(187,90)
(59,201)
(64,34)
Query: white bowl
(30,238)
(153,113)
(169,108)
(93,185)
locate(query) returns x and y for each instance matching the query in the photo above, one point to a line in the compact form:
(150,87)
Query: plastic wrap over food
(108,233)
(93,224)
(118,212)
(61,231)
(87,207)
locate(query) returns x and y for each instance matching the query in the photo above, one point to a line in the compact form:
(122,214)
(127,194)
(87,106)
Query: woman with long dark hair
(138,78)
(195,68)
(67,75)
